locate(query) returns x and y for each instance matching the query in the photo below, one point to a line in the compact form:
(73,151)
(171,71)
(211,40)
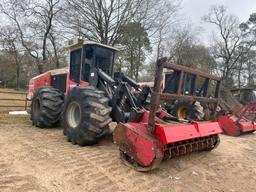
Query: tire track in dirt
(64,157)
(43,160)
(105,171)
(11,180)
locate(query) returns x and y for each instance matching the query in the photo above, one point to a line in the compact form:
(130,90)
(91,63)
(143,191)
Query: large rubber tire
(86,115)
(46,107)
(185,110)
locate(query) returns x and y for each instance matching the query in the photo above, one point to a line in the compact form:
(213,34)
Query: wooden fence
(7,102)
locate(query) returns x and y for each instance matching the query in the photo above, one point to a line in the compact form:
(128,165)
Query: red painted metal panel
(178,132)
(31,89)
(174,133)
(240,121)
(134,140)
(39,81)
(246,126)
(139,126)
(231,127)
(145,117)
(42,80)
(70,84)
(208,128)
(227,124)
(143,148)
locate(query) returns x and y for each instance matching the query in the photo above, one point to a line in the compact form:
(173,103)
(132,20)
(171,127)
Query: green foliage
(252,18)
(7,70)
(247,63)
(8,73)
(135,43)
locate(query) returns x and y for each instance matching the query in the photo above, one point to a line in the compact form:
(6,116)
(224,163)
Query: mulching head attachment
(240,121)
(157,135)
(145,151)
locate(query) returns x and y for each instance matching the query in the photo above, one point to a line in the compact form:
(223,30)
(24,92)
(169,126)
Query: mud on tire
(86,115)
(46,107)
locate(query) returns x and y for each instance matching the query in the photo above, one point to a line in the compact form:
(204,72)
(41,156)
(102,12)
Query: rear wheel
(86,115)
(187,110)
(46,107)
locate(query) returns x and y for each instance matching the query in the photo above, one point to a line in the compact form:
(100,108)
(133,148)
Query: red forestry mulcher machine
(234,118)
(87,96)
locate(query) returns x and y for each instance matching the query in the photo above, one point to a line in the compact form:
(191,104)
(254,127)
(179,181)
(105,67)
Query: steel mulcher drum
(174,150)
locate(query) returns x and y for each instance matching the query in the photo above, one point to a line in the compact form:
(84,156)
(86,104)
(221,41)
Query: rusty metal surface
(155,99)
(247,112)
(158,98)
(168,96)
(191,146)
(228,102)
(133,164)
(190,70)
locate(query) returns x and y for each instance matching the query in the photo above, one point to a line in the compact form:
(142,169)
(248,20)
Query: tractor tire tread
(95,116)
(51,103)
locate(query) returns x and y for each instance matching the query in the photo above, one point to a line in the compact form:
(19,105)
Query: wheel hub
(73,114)
(181,113)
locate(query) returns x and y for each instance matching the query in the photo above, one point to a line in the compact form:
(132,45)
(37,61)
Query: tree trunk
(40,67)
(226,77)
(17,76)
(17,64)
(138,64)
(131,65)
(57,62)
(239,76)
(159,45)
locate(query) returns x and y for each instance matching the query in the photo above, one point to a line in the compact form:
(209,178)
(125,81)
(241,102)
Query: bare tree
(33,20)
(228,44)
(184,48)
(178,40)
(99,20)
(57,52)
(159,22)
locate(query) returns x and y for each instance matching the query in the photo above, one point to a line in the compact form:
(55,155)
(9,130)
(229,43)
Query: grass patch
(13,90)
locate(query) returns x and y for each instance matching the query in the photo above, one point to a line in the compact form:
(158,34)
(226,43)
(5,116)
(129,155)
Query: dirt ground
(33,159)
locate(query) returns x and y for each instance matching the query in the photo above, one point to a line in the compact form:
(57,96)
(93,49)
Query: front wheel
(86,115)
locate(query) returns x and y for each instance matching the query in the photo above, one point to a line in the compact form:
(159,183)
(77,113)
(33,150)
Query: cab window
(75,65)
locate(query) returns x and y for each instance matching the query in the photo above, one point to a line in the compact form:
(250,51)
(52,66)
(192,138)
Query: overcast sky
(195,9)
